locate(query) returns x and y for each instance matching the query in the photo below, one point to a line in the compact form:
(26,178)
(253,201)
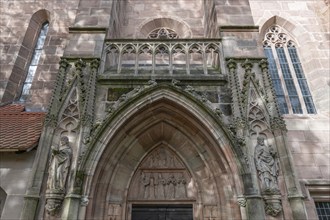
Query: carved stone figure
(151,188)
(59,165)
(267,165)
(114,211)
(181,190)
(160,187)
(171,184)
(145,183)
(211,212)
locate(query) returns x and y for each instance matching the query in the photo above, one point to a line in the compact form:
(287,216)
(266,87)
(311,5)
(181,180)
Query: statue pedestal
(54,200)
(272,204)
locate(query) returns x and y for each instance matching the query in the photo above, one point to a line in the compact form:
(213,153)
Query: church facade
(176,109)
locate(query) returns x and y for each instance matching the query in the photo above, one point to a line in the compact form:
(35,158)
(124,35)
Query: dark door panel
(162,212)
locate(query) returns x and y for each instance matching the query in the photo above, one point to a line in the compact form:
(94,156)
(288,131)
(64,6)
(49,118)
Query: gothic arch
(162,117)
(293,29)
(300,35)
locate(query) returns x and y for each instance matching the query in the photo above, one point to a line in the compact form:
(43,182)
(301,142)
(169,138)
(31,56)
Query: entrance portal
(163,157)
(162,212)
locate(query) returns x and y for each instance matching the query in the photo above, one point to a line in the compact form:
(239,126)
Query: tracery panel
(291,87)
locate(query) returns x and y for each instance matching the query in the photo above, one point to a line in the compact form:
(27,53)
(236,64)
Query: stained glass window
(291,87)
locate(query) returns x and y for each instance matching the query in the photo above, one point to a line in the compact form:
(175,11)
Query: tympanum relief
(162,176)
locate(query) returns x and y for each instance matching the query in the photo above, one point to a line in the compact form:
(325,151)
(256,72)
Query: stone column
(254,202)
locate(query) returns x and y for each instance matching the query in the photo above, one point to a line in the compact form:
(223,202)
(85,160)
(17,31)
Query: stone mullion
(120,54)
(136,59)
(153,51)
(187,59)
(204,60)
(171,59)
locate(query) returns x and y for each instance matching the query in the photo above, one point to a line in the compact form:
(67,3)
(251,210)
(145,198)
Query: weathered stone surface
(207,108)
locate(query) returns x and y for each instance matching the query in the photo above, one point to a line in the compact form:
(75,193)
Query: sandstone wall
(308,135)
(15,170)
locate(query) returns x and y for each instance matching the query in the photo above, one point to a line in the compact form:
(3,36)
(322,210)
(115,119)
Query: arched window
(286,71)
(34,61)
(27,58)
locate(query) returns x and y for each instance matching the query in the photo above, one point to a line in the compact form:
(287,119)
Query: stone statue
(171,184)
(267,165)
(59,165)
(145,185)
(181,191)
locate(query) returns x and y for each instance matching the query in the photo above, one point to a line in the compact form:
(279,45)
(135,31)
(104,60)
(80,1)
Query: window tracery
(290,84)
(163,33)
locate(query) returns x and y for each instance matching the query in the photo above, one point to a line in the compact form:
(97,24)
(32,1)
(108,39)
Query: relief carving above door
(162,176)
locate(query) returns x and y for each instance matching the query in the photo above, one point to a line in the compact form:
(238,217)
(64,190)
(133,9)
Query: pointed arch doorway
(162,187)
(166,158)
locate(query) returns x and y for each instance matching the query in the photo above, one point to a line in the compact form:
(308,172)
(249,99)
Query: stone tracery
(163,33)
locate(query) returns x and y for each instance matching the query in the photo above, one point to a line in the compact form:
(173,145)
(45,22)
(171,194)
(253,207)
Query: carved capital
(241,201)
(84,201)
